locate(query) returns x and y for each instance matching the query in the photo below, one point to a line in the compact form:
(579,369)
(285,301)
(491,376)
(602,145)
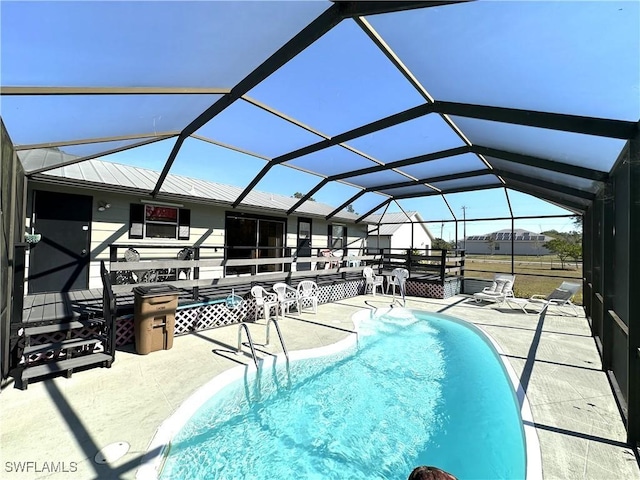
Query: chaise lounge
(499,291)
(559,297)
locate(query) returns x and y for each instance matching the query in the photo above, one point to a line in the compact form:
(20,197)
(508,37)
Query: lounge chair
(500,290)
(372,281)
(560,297)
(307,292)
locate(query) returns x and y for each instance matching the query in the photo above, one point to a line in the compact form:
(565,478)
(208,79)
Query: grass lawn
(537,273)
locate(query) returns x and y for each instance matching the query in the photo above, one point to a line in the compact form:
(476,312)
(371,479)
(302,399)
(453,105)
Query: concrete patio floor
(63,423)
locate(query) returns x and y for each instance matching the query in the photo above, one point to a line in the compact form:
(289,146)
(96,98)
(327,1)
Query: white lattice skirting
(192,318)
(213,315)
(433,290)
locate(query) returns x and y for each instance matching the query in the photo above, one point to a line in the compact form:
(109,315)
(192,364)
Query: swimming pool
(418,388)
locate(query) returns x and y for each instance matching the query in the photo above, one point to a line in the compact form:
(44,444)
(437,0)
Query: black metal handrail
(108,311)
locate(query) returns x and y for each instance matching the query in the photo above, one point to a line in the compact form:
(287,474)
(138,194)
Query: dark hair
(430,473)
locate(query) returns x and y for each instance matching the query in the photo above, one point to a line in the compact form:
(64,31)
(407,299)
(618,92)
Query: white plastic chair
(372,281)
(265,301)
(307,292)
(353,262)
(287,296)
(399,277)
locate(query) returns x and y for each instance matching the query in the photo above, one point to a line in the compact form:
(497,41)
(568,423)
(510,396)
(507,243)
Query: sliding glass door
(249,238)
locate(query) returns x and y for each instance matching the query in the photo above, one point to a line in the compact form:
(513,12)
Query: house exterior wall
(356,234)
(402,238)
(521,247)
(207,230)
(383,241)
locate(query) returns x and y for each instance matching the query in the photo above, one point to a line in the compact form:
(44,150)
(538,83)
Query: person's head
(430,473)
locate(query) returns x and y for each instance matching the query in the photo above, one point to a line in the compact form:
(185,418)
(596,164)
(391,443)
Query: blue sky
(566,57)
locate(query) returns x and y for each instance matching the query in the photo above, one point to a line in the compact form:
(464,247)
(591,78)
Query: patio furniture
(520,303)
(287,296)
(186,253)
(559,297)
(372,281)
(307,292)
(351,261)
(333,263)
(126,277)
(265,301)
(399,278)
(499,291)
(165,274)
(138,276)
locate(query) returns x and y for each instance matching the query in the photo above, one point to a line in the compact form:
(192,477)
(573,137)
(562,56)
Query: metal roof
(390,222)
(394,100)
(138,181)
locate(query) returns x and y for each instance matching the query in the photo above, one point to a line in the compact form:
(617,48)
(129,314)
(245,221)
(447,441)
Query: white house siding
(402,238)
(383,241)
(207,229)
(112,226)
(397,235)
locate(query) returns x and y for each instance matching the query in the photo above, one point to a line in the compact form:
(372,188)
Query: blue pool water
(419,388)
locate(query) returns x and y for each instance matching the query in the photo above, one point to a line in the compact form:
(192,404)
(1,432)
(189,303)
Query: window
(337,236)
(497,246)
(254,237)
(157,221)
(304,243)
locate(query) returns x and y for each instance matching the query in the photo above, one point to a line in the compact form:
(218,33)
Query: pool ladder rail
(233,303)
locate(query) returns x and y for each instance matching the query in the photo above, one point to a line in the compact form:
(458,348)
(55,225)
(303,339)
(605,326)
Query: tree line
(565,245)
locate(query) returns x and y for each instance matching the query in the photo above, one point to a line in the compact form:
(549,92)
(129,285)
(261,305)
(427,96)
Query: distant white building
(397,232)
(499,243)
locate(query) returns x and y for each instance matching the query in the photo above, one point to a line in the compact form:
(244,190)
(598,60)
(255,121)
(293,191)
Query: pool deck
(63,423)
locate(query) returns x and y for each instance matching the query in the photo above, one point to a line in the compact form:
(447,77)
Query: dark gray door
(59,262)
